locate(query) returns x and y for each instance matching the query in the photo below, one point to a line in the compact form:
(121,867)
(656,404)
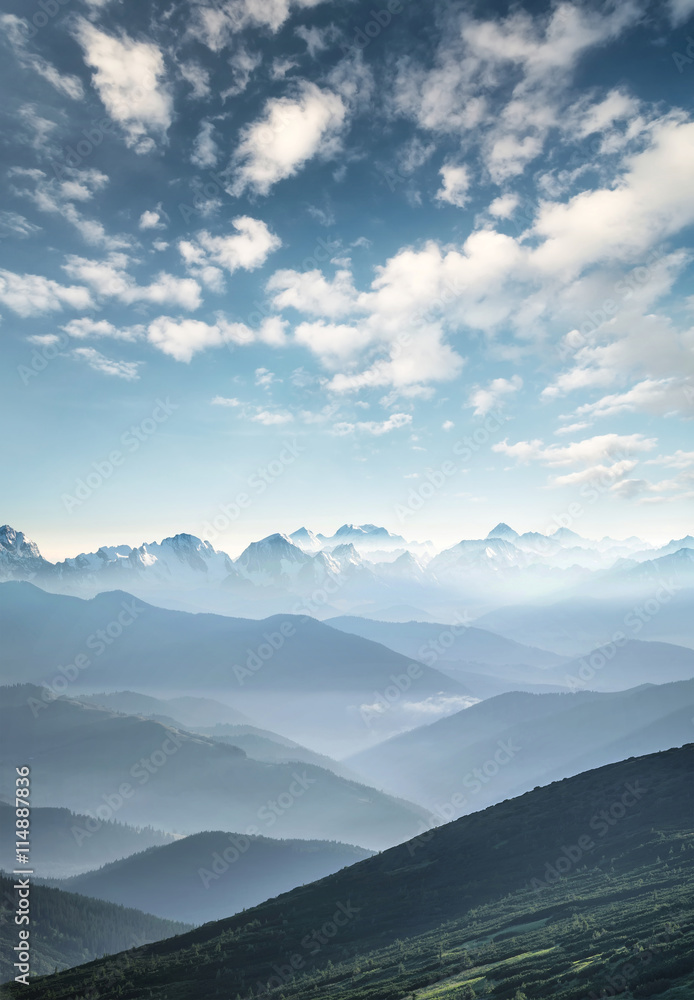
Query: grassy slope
(473,906)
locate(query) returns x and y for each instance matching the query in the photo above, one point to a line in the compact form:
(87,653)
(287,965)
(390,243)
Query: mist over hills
(188,712)
(203,715)
(478,905)
(82,757)
(574,625)
(211,875)
(290,673)
(65,843)
(506,745)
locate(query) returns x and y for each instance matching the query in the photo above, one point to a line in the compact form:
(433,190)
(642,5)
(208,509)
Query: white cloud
(226,401)
(18,225)
(374,427)
(290,132)
(248,248)
(86,327)
(218,25)
(243,64)
(662,397)
(586,452)
(606,457)
(317,39)
(486,399)
(447,425)
(130,78)
(311,292)
(198,78)
(651,200)
(504,206)
(587,119)
(58,194)
(256,414)
(110,279)
(334,343)
(15,30)
(680,10)
(107,366)
(183,338)
(502,83)
(151,220)
(270,419)
(572,428)
(32,294)
(680,460)
(455,186)
(205,151)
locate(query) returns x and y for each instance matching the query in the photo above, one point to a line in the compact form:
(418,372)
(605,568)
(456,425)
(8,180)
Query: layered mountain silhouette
(211,875)
(508,744)
(509,900)
(144,773)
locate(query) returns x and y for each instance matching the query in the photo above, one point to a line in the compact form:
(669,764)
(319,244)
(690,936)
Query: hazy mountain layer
(64,843)
(211,875)
(142,772)
(508,744)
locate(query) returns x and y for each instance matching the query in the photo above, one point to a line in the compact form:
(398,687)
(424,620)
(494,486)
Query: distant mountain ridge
(360,568)
(145,773)
(211,875)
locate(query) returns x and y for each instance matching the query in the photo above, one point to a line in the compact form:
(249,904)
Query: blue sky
(306,237)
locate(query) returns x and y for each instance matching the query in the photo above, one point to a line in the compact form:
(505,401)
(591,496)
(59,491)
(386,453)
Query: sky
(272,263)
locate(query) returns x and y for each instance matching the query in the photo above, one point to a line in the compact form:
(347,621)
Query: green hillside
(557,893)
(67,929)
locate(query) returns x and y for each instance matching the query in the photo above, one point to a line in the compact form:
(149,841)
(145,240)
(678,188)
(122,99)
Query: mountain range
(141,772)
(359,569)
(65,843)
(291,673)
(508,744)
(211,875)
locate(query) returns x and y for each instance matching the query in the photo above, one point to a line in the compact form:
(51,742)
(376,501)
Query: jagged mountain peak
(16,542)
(503,530)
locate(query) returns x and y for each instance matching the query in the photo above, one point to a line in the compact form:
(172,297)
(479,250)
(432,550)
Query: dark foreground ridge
(562,892)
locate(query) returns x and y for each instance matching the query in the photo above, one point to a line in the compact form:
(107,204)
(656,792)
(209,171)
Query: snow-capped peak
(16,543)
(503,531)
